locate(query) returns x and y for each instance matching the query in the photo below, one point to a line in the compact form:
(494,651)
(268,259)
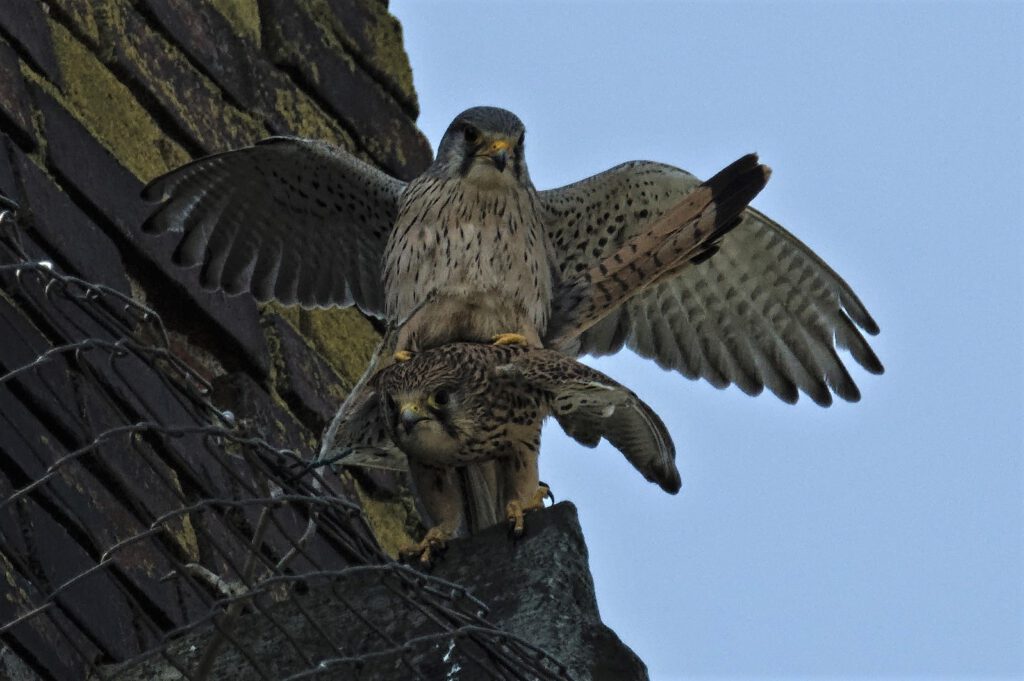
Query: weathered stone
(540,588)
(238,393)
(155,475)
(296,40)
(9,185)
(234,63)
(51,555)
(344,336)
(15,108)
(72,238)
(73,515)
(98,95)
(13,668)
(374,39)
(244,17)
(113,192)
(48,645)
(304,379)
(85,17)
(108,108)
(209,39)
(24,22)
(74,153)
(189,103)
(259,414)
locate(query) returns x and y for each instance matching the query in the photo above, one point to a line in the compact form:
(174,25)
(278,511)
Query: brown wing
(358,434)
(688,233)
(764,310)
(589,406)
(294,220)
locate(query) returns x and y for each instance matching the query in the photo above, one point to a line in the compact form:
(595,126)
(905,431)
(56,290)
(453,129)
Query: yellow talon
(509,339)
(514,515)
(402,355)
(433,542)
(515,509)
(537,500)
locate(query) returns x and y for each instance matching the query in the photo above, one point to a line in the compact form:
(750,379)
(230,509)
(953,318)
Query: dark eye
(441,398)
(471,134)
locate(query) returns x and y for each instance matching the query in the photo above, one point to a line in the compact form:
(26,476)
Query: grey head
(484,145)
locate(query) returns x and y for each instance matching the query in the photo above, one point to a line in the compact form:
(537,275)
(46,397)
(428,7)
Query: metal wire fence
(145,533)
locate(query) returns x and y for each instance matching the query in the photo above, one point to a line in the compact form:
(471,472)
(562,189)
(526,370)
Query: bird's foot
(432,545)
(402,355)
(509,339)
(516,509)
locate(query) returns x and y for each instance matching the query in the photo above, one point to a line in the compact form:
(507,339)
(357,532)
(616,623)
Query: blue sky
(884,538)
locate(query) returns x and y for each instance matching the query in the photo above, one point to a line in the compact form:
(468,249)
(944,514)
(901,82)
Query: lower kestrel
(467,403)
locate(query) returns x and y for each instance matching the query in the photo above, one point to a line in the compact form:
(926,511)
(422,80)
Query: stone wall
(97,97)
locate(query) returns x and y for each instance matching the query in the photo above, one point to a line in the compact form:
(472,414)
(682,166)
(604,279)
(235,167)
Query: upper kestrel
(470,249)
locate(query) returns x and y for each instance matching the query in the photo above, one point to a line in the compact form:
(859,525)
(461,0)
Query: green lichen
(376,36)
(181,529)
(381,146)
(385,34)
(87,17)
(344,337)
(289,312)
(200,104)
(392,520)
(277,375)
(15,595)
(243,15)
(308,120)
(108,109)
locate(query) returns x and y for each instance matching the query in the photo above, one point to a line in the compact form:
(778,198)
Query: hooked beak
(498,153)
(410,414)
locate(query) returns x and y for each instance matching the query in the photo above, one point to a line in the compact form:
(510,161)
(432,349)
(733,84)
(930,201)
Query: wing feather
(296,220)
(589,406)
(763,311)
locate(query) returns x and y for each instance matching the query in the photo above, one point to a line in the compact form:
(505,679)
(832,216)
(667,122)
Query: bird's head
(429,404)
(484,146)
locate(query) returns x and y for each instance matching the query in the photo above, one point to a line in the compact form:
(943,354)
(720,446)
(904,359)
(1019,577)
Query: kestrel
(471,251)
(466,403)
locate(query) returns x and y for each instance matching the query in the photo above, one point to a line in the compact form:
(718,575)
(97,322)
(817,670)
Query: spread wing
(687,233)
(589,406)
(294,220)
(763,310)
(358,436)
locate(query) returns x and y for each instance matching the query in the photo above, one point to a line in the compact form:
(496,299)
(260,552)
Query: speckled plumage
(469,241)
(468,403)
(293,220)
(304,222)
(643,255)
(478,255)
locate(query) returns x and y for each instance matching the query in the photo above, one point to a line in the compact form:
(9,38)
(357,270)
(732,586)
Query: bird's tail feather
(688,233)
(483,500)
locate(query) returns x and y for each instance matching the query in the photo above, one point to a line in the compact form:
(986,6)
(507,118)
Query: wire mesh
(145,533)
